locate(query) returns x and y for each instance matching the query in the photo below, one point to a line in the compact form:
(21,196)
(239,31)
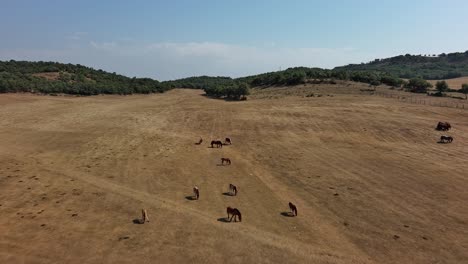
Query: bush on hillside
(418,85)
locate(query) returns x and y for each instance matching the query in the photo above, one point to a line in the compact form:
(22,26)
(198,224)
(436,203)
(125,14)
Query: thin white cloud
(103,45)
(77,35)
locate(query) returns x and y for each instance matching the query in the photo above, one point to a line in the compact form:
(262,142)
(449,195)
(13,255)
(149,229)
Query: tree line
(300,75)
(22,76)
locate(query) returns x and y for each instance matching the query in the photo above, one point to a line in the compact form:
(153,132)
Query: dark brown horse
(293,208)
(232,189)
(234,212)
(227,160)
(443,126)
(446,139)
(196,192)
(227,141)
(218,143)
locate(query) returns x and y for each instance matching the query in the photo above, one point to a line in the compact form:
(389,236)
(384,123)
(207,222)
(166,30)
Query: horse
(227,141)
(443,126)
(196,191)
(218,143)
(227,160)
(444,139)
(200,141)
(293,208)
(144,216)
(232,189)
(234,212)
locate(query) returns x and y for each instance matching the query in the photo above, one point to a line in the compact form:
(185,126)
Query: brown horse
(144,216)
(227,160)
(196,192)
(218,143)
(232,189)
(293,208)
(234,212)
(227,141)
(446,139)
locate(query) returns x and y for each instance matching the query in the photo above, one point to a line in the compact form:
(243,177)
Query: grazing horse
(445,139)
(227,160)
(443,126)
(200,141)
(232,189)
(293,208)
(228,141)
(144,216)
(196,191)
(218,143)
(234,212)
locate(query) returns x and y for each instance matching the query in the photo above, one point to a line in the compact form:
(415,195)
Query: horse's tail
(295,211)
(240,216)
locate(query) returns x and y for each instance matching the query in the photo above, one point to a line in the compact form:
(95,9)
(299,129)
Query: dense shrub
(235,91)
(418,85)
(464,90)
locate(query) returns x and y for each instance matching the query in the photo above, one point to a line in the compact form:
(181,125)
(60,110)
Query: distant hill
(53,78)
(429,67)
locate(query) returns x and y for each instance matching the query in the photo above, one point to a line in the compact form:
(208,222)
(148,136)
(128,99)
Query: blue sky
(174,39)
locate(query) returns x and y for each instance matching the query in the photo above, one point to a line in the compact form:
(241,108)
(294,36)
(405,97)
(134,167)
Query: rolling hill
(54,77)
(429,67)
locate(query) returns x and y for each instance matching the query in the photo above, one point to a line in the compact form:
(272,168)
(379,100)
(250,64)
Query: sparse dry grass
(369,180)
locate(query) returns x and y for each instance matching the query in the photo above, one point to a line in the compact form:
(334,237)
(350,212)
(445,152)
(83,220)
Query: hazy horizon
(180,39)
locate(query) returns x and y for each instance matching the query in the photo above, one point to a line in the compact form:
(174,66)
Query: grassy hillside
(52,77)
(443,66)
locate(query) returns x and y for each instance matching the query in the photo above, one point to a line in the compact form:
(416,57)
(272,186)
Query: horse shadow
(287,214)
(443,142)
(137,221)
(191,198)
(224,220)
(227,194)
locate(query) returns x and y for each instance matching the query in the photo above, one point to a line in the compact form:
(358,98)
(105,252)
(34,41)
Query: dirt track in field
(370,181)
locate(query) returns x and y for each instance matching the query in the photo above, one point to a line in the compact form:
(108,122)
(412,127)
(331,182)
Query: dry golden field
(370,181)
(455,83)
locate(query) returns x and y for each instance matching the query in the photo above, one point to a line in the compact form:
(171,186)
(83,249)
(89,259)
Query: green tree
(418,85)
(442,87)
(464,90)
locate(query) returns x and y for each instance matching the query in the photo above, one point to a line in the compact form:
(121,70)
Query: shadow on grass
(137,221)
(224,220)
(287,214)
(227,99)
